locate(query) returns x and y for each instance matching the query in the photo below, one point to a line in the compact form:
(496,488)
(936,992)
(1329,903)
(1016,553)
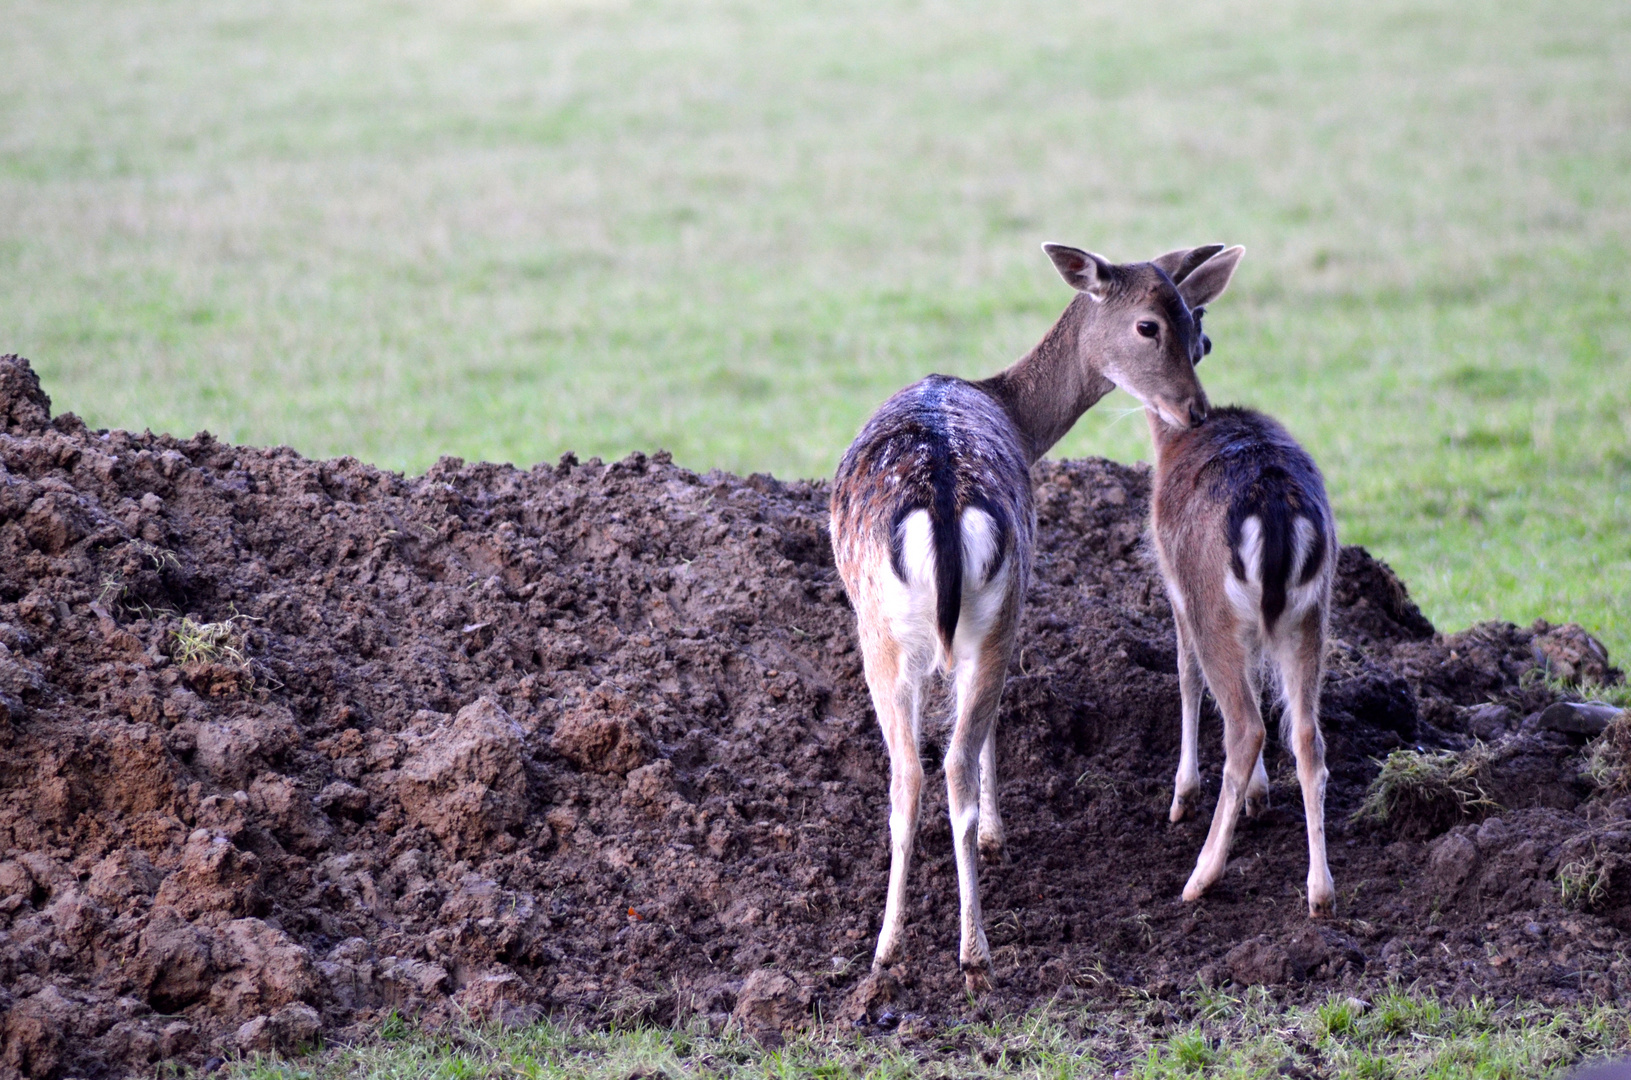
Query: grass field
(508,228)
(1398,1036)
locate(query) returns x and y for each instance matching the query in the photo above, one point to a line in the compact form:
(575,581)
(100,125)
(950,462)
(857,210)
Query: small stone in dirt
(1307,950)
(1578,717)
(500,998)
(1490,721)
(1450,862)
(602,736)
(1258,962)
(465,781)
(34,1033)
(866,1003)
(343,799)
(287,1029)
(771,1003)
(1567,652)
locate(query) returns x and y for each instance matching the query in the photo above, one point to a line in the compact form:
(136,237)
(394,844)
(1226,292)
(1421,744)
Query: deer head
(1141,328)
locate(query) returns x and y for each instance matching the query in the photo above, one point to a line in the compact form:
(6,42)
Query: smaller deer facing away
(1247,546)
(933,524)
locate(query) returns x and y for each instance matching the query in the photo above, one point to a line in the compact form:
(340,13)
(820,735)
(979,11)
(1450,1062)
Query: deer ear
(1207,281)
(1181,263)
(1082,270)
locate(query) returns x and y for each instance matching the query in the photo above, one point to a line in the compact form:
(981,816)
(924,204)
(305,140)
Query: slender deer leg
(1186,787)
(1257,791)
(991,834)
(896,697)
(979,689)
(1224,660)
(1300,659)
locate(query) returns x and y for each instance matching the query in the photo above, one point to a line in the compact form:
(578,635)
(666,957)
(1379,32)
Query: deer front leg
(1243,745)
(1186,786)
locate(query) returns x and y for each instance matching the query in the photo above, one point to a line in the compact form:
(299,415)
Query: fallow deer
(1248,549)
(933,524)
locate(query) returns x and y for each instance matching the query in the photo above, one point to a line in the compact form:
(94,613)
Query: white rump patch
(917,547)
(1247,596)
(1301,597)
(983,596)
(979,546)
(909,605)
(1302,543)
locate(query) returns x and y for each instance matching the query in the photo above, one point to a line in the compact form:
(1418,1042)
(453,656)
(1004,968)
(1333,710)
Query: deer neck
(1161,436)
(1050,387)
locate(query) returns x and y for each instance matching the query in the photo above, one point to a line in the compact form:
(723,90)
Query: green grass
(1400,1034)
(508,228)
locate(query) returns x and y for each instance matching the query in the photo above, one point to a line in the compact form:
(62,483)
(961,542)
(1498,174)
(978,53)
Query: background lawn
(508,228)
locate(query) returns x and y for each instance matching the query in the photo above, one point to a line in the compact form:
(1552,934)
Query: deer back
(943,446)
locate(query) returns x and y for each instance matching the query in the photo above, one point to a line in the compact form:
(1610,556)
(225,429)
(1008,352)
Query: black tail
(948,563)
(948,556)
(1279,539)
(1276,502)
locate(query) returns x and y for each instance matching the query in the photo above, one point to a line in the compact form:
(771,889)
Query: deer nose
(1197,412)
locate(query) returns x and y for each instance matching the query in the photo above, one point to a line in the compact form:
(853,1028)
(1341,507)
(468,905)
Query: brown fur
(946,448)
(1241,465)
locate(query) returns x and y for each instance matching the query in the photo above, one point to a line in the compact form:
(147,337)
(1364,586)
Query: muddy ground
(594,738)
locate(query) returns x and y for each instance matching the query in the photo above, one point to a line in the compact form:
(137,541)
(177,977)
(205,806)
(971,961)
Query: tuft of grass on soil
(1428,790)
(211,643)
(1608,762)
(1584,883)
(1403,1033)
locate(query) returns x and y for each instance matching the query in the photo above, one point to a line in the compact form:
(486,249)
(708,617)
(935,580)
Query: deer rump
(943,473)
(1277,525)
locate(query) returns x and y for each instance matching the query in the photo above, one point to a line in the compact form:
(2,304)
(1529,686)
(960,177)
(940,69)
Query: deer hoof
(1322,904)
(977,978)
(1255,804)
(992,851)
(1180,810)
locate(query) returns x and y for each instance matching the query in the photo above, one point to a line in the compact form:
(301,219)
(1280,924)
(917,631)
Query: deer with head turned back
(933,525)
(1248,549)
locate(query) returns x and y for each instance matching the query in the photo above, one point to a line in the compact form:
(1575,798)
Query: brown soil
(594,738)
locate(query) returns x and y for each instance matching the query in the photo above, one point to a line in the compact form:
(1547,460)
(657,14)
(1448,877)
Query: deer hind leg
(1225,658)
(897,698)
(1257,791)
(991,834)
(1299,660)
(979,688)
(1186,786)
(984,641)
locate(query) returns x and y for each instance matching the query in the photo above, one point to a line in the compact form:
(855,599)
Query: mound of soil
(290,744)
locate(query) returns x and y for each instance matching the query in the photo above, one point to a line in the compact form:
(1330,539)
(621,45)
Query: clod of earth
(486,714)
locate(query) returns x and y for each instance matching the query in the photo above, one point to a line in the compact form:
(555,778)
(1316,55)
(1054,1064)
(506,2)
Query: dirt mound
(289,744)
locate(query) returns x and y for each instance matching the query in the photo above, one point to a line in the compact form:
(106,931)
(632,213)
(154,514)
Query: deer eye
(1148,329)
